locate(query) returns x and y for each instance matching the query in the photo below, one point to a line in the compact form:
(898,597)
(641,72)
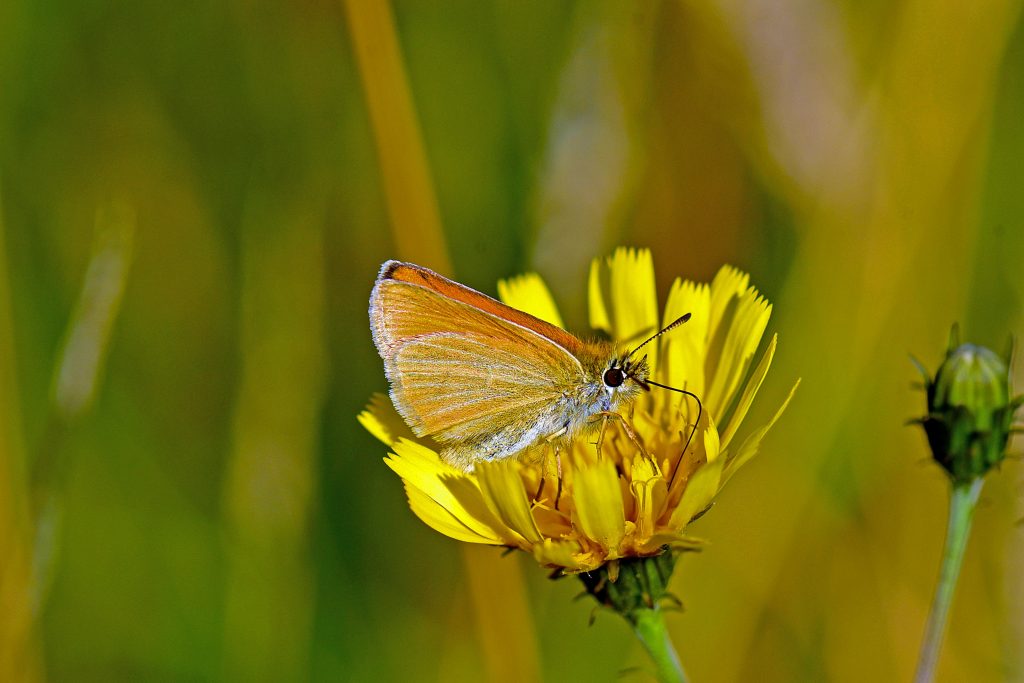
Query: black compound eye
(614,377)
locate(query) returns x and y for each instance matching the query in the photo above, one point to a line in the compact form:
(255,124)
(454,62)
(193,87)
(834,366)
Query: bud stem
(649,626)
(962,501)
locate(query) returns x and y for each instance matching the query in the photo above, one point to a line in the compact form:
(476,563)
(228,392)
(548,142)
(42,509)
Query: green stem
(649,626)
(962,501)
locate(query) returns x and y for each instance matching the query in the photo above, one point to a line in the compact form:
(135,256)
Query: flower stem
(962,501)
(649,626)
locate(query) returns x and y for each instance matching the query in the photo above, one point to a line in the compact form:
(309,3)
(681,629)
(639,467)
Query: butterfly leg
(551,439)
(540,487)
(546,465)
(628,428)
(558,465)
(600,435)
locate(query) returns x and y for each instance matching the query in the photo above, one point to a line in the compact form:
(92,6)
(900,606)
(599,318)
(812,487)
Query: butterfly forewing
(398,272)
(458,372)
(456,387)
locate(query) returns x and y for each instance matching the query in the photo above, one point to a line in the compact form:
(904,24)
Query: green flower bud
(631,585)
(969,410)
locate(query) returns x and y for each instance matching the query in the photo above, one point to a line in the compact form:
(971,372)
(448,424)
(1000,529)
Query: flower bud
(632,584)
(969,410)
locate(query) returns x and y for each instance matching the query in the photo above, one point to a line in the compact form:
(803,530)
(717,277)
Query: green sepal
(629,585)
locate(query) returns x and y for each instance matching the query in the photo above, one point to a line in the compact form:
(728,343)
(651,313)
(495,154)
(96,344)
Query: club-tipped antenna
(671,326)
(700,406)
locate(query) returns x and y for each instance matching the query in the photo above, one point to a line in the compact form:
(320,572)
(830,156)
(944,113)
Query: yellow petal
(372,424)
(650,494)
(679,541)
(729,282)
(700,491)
(712,444)
(683,349)
(753,442)
(599,319)
(382,420)
(558,554)
(502,488)
(743,331)
(434,515)
(452,490)
(529,293)
(598,499)
(634,298)
(753,384)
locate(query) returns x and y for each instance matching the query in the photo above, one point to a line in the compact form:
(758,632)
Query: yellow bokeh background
(195,199)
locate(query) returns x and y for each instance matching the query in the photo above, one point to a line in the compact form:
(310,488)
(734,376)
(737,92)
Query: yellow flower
(637,496)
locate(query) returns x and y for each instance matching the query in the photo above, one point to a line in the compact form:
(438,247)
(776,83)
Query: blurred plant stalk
(405,172)
(87,342)
(595,149)
(496,585)
(968,424)
(271,474)
(78,374)
(19,651)
(637,590)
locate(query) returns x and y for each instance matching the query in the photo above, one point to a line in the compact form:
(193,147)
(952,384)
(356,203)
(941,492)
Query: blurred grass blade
(77,375)
(499,595)
(85,346)
(593,159)
(902,241)
(19,656)
(503,618)
(412,204)
(271,473)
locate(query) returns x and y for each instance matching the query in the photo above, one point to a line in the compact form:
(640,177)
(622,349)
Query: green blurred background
(195,201)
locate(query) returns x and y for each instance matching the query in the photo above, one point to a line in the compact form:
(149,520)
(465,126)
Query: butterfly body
(483,379)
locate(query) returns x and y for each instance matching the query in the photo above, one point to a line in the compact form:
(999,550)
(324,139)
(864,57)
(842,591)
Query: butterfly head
(624,377)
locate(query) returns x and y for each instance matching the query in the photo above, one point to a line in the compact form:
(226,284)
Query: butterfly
(488,381)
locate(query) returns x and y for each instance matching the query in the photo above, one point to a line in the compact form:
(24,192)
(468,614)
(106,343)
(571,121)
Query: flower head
(654,470)
(970,409)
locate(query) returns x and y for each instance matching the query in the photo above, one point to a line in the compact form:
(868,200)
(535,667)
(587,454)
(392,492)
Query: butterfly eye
(614,377)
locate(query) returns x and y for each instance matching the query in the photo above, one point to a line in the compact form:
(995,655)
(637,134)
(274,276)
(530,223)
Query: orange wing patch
(457,387)
(423,277)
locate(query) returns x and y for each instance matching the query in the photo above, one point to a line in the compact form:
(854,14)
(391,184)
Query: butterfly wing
(457,387)
(397,271)
(460,373)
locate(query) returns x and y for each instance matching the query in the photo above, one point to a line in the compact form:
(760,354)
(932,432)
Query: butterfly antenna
(671,326)
(700,413)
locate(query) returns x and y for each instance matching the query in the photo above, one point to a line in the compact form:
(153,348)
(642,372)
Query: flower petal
(744,324)
(450,489)
(753,442)
(649,490)
(557,553)
(528,293)
(712,444)
(684,348)
(634,298)
(502,488)
(599,319)
(753,384)
(438,518)
(598,499)
(700,490)
(382,420)
(678,541)
(729,282)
